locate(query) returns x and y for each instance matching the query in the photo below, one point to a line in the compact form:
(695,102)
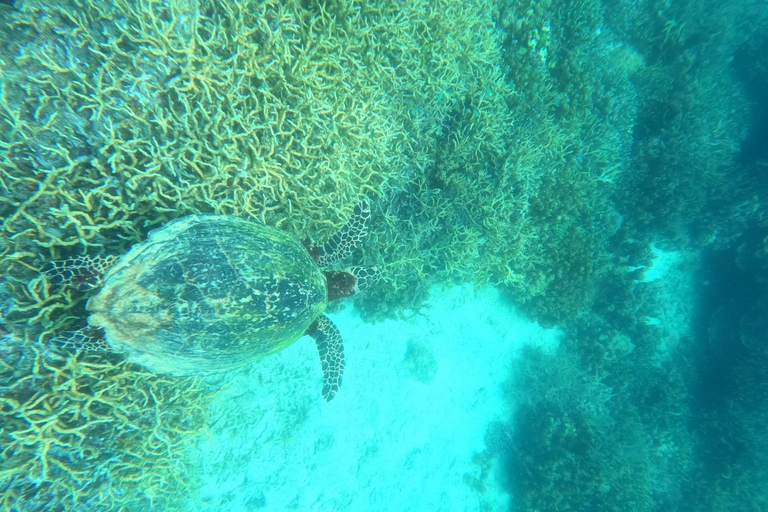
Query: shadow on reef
(729,398)
(750,64)
(632,413)
(610,421)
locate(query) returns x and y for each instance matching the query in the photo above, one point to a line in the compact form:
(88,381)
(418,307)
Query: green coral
(579,114)
(459,211)
(115,118)
(572,450)
(522,162)
(159,109)
(597,426)
(692,117)
(449,112)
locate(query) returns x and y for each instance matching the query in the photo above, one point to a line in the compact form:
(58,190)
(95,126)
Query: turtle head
(344,283)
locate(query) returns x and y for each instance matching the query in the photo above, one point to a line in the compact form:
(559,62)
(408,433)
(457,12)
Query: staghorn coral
(87,433)
(584,440)
(692,118)
(286,112)
(574,110)
(162,109)
(115,118)
(495,134)
(459,213)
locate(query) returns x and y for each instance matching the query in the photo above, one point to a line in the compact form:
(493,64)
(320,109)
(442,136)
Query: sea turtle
(208,293)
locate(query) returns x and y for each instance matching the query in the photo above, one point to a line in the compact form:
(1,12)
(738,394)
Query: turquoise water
(567,207)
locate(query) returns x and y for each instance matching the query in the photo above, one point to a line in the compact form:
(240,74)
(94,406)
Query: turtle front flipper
(82,273)
(340,245)
(88,339)
(365,277)
(345,283)
(331,350)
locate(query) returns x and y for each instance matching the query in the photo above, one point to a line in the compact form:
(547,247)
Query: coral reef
(485,129)
(480,127)
(114,118)
(532,145)
(134,112)
(584,112)
(608,421)
(599,452)
(512,153)
(691,120)
(88,433)
(597,426)
(458,212)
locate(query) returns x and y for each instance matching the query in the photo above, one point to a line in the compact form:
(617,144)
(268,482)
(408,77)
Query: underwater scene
(384,256)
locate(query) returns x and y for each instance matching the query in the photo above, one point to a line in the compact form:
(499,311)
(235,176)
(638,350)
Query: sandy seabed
(402,433)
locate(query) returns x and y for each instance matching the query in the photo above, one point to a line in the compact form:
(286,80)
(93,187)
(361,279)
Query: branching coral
(692,116)
(86,431)
(83,432)
(578,444)
(138,111)
(114,118)
(459,212)
(286,112)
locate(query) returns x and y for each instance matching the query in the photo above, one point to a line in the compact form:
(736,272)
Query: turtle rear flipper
(331,350)
(88,339)
(340,245)
(82,273)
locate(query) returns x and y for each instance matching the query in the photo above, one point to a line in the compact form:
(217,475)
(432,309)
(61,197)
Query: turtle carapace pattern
(209,293)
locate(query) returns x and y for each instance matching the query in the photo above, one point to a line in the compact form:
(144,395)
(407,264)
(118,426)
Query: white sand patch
(412,411)
(663,263)
(675,274)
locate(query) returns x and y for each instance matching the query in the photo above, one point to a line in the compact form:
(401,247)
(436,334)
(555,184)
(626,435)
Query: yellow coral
(151,108)
(81,432)
(115,118)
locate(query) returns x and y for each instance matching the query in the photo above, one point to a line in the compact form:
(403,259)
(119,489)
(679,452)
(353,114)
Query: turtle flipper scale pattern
(82,273)
(365,277)
(87,338)
(340,245)
(331,350)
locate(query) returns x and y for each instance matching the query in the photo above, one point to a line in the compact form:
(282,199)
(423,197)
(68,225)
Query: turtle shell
(208,293)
